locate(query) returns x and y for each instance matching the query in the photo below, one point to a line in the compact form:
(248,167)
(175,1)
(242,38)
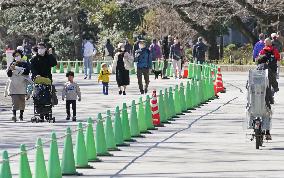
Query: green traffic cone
(118,133)
(77,68)
(148,115)
(172,104)
(68,162)
(40,167)
(167,106)
(98,67)
(54,69)
(5,171)
(61,67)
(134,128)
(182,98)
(177,101)
(90,143)
(69,68)
(125,125)
(25,170)
(141,117)
(110,139)
(100,138)
(54,169)
(81,157)
(161,108)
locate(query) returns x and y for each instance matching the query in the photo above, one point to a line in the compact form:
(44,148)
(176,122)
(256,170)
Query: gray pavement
(209,142)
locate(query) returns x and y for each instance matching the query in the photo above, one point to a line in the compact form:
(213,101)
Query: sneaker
(85,77)
(124,93)
(21,118)
(74,119)
(146,91)
(165,78)
(120,92)
(142,92)
(276,90)
(268,137)
(68,118)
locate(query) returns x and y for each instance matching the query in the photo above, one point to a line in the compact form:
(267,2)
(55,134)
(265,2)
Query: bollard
(148,114)
(177,101)
(25,170)
(172,103)
(54,69)
(77,67)
(169,112)
(69,67)
(161,106)
(61,67)
(182,99)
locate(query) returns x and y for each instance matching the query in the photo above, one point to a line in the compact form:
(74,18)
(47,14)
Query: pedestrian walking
(156,53)
(108,51)
(89,52)
(16,87)
(123,62)
(258,46)
(104,77)
(276,42)
(144,65)
(199,51)
(175,55)
(166,54)
(71,92)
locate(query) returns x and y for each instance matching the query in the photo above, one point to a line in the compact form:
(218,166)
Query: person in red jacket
(270,55)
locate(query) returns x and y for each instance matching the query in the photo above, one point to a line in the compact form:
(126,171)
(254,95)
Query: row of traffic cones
(151,114)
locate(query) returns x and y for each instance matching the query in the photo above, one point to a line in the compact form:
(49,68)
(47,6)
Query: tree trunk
(213,50)
(237,21)
(221,47)
(77,37)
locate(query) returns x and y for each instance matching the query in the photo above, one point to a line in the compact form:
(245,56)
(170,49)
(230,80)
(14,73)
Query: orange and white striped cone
(155,110)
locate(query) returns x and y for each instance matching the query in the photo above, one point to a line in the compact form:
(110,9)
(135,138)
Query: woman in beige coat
(17,72)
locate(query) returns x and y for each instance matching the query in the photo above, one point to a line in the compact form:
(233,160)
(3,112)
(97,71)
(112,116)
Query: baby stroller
(43,103)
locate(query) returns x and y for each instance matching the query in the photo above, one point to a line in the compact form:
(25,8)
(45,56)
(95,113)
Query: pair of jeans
(166,62)
(88,66)
(105,88)
(73,103)
(143,72)
(177,66)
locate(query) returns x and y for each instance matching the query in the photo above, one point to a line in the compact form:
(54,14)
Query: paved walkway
(209,142)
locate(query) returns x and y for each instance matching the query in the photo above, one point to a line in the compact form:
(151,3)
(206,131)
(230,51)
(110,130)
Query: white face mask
(41,52)
(18,58)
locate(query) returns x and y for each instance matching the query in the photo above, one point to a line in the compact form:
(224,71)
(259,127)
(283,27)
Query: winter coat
(41,65)
(127,59)
(257,48)
(175,52)
(199,51)
(18,78)
(108,50)
(143,57)
(270,55)
(155,51)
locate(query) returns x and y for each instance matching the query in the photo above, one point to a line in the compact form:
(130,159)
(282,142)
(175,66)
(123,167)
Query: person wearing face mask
(175,55)
(17,72)
(143,58)
(42,62)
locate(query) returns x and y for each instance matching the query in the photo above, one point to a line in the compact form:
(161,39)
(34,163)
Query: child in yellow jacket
(104,77)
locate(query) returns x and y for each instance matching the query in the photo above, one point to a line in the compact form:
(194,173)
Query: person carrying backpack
(199,51)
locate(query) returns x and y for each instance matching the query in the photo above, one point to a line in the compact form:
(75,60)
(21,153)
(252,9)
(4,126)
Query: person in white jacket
(16,87)
(89,52)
